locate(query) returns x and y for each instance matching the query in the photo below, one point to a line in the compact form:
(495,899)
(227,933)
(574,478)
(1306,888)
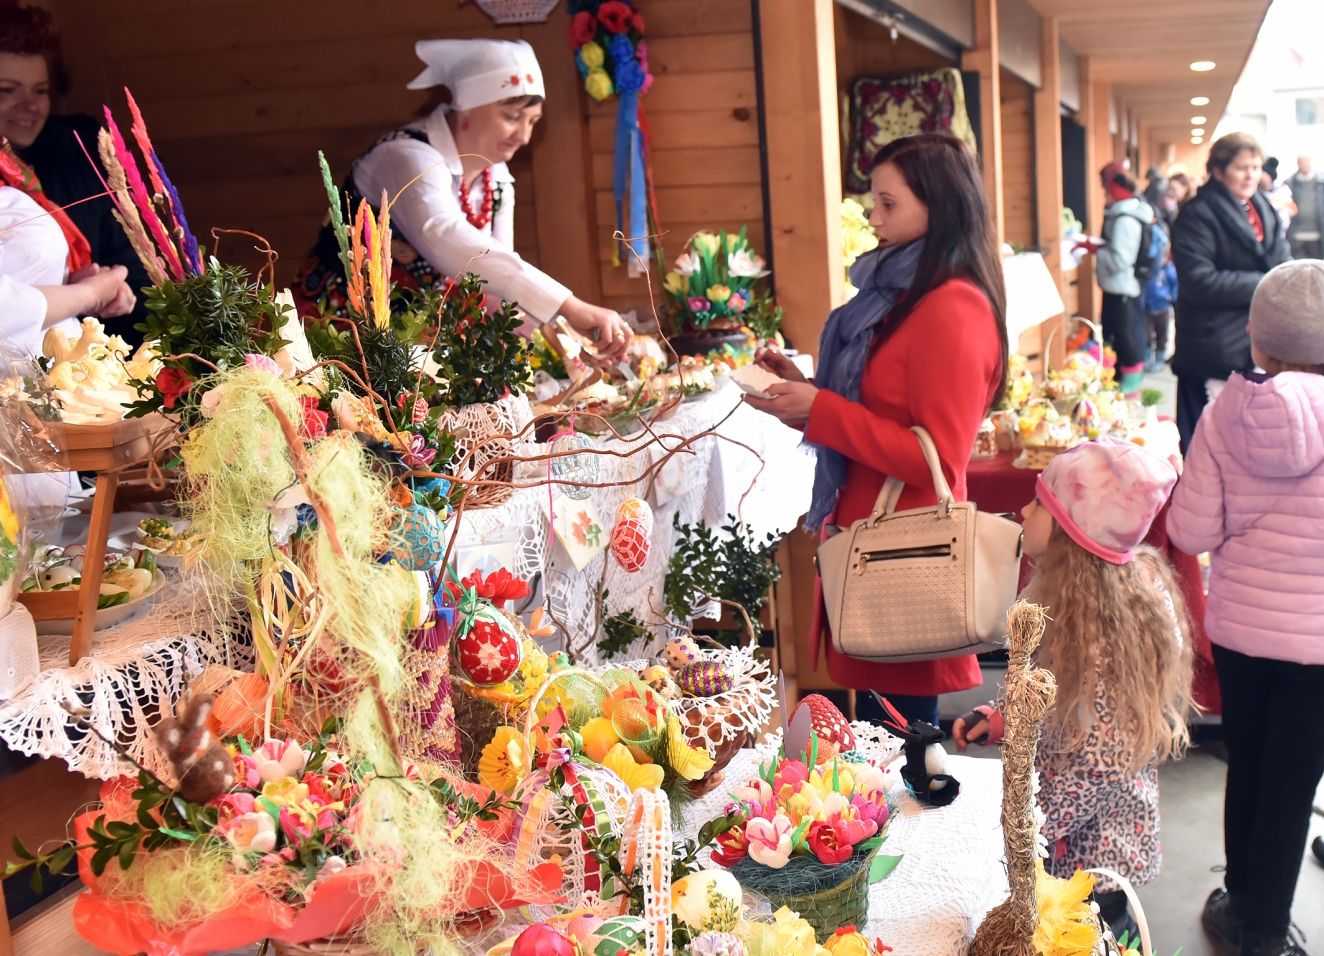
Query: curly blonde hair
(1112,635)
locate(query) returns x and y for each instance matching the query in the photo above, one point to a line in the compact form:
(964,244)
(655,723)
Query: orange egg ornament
(632,535)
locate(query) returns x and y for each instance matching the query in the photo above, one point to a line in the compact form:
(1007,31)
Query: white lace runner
(952,871)
(707,480)
(135,675)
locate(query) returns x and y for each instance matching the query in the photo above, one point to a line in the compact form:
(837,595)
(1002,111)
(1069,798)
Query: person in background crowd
(1160,296)
(49,146)
(1279,195)
(1180,189)
(924,342)
(1122,264)
(1156,187)
(1252,493)
(1307,225)
(1224,241)
(1124,679)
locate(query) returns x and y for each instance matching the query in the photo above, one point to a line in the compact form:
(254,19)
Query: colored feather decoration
(127,213)
(337,211)
(164,192)
(143,200)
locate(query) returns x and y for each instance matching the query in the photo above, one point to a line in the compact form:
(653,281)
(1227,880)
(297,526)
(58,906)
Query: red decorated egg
(831,726)
(703,679)
(489,652)
(632,535)
(543,940)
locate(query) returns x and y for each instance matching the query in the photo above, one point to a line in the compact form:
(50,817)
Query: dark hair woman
(1223,242)
(923,343)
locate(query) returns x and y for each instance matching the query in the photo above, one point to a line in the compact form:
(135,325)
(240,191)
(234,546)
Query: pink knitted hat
(1105,494)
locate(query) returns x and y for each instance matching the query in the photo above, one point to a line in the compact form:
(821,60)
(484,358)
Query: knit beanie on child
(1287,313)
(1105,494)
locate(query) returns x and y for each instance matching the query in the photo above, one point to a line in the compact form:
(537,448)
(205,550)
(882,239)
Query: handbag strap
(890,494)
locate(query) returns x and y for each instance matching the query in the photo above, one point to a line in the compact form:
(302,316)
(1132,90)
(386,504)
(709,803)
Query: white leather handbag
(920,584)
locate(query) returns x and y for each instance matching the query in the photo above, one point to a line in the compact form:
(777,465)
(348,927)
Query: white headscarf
(479,72)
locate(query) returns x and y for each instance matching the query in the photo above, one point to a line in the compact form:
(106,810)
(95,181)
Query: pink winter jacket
(1252,493)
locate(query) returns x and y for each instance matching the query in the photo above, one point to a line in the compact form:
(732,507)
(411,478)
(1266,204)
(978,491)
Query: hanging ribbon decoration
(629,185)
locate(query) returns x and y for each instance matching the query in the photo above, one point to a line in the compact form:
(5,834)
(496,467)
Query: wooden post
(986,60)
(1048,168)
(802,140)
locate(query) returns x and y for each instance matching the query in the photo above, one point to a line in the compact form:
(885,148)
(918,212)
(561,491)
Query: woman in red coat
(924,342)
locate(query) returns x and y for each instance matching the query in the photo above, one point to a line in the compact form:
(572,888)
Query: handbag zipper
(899,554)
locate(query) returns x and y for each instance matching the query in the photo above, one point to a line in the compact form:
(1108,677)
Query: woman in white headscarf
(457,214)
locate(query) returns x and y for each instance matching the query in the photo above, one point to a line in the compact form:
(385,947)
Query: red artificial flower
(583,28)
(615,16)
(173,385)
(731,847)
(637,22)
(498,587)
(314,421)
(828,844)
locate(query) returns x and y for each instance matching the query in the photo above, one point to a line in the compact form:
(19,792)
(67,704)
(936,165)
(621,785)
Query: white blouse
(33,252)
(429,215)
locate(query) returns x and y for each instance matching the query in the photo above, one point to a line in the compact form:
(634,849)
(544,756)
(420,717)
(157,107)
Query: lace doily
(136,674)
(708,480)
(952,871)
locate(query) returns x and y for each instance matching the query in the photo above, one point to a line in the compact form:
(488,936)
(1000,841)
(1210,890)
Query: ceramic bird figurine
(200,762)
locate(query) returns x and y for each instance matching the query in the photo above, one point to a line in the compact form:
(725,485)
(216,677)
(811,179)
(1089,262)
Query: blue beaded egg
(420,538)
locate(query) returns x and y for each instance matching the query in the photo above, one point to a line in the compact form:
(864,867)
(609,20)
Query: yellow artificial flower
(675,283)
(8,519)
(718,293)
(847,944)
(689,762)
(533,666)
(591,55)
(504,762)
(1067,923)
(705,243)
(787,935)
(285,792)
(635,775)
(599,85)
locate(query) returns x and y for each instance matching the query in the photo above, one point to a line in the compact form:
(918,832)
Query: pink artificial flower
(854,830)
(245,771)
(419,456)
(263,363)
(791,773)
(737,303)
(697,304)
(756,793)
(231,805)
(278,759)
(313,425)
(286,855)
(769,841)
(251,832)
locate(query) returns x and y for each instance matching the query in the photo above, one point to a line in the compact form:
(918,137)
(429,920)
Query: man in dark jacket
(1224,241)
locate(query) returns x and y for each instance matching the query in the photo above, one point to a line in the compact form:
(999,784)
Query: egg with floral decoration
(703,679)
(489,651)
(681,651)
(632,534)
(659,678)
(707,900)
(420,538)
(575,468)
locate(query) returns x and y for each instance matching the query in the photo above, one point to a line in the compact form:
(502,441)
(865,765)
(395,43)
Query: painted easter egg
(583,467)
(681,651)
(632,535)
(490,651)
(703,679)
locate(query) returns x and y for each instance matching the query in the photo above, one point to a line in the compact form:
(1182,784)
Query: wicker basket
(845,903)
(485,435)
(517,11)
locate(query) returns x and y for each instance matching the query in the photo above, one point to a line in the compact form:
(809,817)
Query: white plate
(110,616)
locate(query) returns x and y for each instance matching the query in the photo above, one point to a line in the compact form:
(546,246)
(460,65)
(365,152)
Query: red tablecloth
(995,485)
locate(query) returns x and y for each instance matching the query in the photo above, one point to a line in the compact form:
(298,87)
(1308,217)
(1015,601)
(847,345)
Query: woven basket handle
(890,493)
(1048,345)
(1146,946)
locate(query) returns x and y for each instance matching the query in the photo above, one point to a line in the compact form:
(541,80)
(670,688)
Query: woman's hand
(609,332)
(108,295)
(970,729)
(779,364)
(789,402)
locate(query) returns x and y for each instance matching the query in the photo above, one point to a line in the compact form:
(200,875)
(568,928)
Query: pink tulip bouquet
(809,839)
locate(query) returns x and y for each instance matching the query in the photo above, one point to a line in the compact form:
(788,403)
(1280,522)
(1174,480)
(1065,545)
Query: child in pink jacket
(1253,495)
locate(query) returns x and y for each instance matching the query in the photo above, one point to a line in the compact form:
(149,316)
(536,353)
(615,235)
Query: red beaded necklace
(481,219)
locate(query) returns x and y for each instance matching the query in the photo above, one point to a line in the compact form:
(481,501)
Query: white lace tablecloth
(710,479)
(134,676)
(952,871)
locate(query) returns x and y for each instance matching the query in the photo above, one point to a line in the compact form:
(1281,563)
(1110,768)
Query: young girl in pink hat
(1253,495)
(1118,642)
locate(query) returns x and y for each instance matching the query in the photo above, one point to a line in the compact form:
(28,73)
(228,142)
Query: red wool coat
(939,370)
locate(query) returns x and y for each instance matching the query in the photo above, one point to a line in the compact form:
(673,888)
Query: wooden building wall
(240,95)
(1018,180)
